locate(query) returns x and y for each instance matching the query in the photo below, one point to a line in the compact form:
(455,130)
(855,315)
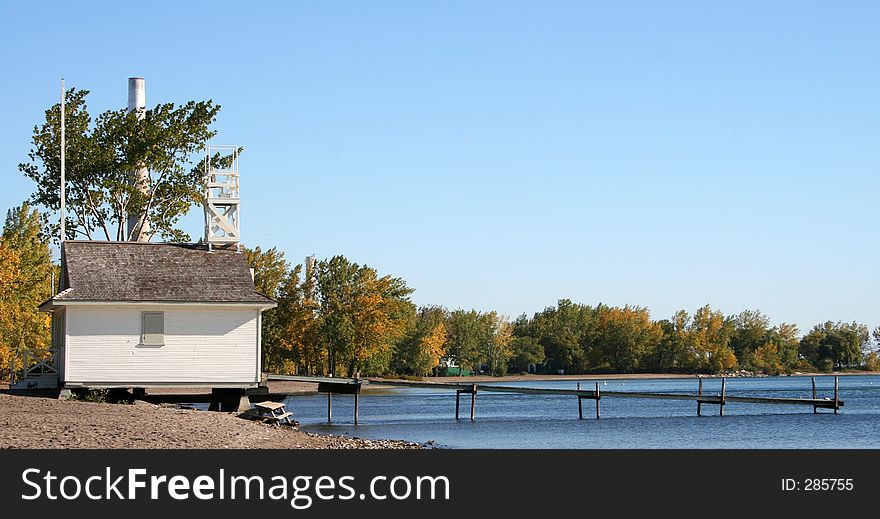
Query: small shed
(142,315)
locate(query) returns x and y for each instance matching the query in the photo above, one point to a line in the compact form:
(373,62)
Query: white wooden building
(145,315)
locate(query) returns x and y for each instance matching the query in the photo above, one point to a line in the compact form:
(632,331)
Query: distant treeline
(337,317)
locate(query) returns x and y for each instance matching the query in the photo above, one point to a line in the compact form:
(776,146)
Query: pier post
(580,407)
(598,397)
(473,399)
(356,395)
(836,394)
(815,409)
(700,393)
(457,399)
(723,390)
(329,407)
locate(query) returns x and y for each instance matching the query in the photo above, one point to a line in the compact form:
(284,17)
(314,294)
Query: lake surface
(550,421)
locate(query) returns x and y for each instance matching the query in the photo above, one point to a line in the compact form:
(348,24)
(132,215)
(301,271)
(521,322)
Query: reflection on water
(550,421)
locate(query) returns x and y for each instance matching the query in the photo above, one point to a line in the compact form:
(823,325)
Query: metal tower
(222,202)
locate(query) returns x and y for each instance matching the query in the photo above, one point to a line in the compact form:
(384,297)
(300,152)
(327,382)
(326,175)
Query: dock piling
(700,393)
(598,398)
(815,408)
(836,393)
(329,407)
(356,401)
(473,399)
(473,391)
(723,391)
(580,407)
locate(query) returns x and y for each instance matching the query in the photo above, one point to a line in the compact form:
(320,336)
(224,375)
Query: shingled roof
(155,272)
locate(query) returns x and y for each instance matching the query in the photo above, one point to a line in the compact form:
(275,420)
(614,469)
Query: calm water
(538,421)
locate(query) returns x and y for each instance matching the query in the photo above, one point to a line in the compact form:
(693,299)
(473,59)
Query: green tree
(526,351)
(425,343)
(566,332)
(101,157)
(673,351)
(710,337)
(834,345)
(271,271)
(467,338)
(750,328)
(626,337)
(299,315)
(766,359)
(682,345)
(362,315)
(500,335)
(872,361)
(785,337)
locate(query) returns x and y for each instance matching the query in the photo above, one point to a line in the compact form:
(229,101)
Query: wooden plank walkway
(329,385)
(315,379)
(596,394)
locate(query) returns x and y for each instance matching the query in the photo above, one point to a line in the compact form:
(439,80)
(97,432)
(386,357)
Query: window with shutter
(153,329)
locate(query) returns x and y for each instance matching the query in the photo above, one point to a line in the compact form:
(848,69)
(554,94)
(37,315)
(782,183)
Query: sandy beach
(32,422)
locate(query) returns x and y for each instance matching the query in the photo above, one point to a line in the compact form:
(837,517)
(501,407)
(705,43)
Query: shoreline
(29,422)
(619,376)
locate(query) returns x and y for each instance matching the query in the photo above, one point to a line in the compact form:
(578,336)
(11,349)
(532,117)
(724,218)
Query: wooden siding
(209,345)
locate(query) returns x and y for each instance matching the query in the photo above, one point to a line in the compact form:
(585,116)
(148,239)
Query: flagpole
(63,219)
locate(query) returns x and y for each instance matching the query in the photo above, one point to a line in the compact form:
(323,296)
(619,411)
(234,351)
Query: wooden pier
(595,394)
(353,386)
(329,385)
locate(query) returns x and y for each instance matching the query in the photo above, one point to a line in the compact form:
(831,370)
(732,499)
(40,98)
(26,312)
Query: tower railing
(222,198)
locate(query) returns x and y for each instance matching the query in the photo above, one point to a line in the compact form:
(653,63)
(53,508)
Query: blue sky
(503,155)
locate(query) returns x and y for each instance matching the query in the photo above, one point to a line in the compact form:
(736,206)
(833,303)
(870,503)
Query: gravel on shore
(45,423)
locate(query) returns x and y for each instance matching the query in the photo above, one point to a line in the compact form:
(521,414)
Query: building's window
(153,328)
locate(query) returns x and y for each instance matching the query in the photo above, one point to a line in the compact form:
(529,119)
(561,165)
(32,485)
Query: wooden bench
(277,419)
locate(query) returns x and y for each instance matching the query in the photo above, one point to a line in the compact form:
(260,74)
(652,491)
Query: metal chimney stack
(137,102)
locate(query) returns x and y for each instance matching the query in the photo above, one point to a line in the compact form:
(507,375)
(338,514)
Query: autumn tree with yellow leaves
(424,344)
(25,282)
(362,316)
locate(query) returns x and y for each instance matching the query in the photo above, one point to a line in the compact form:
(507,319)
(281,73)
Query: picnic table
(273,412)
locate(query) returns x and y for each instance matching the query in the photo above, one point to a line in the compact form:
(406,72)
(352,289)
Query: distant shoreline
(627,376)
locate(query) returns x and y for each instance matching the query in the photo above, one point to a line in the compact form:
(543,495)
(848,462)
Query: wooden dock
(329,385)
(352,386)
(597,395)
